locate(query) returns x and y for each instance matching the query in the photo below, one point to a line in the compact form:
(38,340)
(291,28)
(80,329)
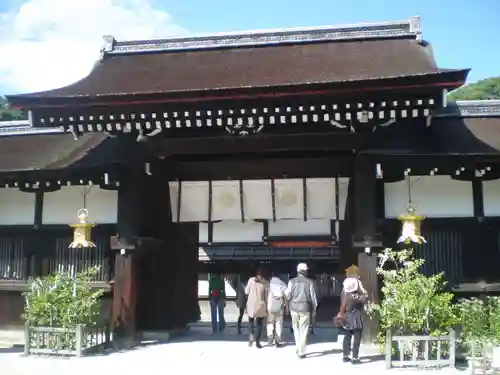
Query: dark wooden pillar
(187,273)
(367,264)
(124,317)
(365,206)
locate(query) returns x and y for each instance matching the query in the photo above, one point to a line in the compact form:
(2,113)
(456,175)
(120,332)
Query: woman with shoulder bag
(257,290)
(350,317)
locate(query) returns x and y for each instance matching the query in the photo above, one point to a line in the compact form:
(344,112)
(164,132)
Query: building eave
(471,108)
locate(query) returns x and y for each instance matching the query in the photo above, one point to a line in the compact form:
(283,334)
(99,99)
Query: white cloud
(46,44)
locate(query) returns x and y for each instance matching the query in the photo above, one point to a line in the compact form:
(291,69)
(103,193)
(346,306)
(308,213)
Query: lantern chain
(84,192)
(410,184)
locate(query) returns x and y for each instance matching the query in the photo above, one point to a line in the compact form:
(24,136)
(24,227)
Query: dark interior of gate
(266,148)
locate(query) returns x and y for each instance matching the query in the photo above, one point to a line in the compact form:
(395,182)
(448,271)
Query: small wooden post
(79,340)
(107,334)
(27,341)
(453,340)
(388,349)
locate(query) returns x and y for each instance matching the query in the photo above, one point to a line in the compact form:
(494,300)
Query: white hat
(301,267)
(350,285)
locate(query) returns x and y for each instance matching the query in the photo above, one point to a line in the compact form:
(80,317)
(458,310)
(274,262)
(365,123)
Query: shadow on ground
(202,331)
(12,349)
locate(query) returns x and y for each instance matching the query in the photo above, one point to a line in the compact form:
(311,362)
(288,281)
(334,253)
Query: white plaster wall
(257,199)
(491,198)
(294,227)
(61,207)
(432,196)
(16,207)
(232,231)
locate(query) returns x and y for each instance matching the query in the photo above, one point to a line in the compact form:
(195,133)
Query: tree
(482,90)
(9,114)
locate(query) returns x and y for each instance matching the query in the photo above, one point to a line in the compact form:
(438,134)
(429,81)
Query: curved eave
(446,79)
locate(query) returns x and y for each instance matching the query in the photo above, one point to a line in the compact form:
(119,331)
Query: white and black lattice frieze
(252,119)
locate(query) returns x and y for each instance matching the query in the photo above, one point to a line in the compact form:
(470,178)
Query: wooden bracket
(135,243)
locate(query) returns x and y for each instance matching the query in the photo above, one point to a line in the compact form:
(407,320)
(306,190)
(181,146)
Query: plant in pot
(412,303)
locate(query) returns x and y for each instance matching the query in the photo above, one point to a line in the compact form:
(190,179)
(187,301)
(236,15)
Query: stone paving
(199,350)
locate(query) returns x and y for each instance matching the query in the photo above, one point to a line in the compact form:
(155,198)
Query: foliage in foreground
(63,301)
(480,319)
(412,302)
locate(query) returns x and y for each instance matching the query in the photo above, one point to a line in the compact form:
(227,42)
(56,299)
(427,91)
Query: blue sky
(464,33)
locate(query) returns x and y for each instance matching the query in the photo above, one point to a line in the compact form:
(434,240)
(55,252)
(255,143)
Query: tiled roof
(252,60)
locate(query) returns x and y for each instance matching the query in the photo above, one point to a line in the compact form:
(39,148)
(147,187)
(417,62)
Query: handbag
(339,322)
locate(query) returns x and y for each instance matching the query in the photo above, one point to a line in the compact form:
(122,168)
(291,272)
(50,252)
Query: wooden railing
(76,341)
(420,351)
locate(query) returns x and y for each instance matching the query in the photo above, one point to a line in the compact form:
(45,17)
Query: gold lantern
(410,231)
(82,231)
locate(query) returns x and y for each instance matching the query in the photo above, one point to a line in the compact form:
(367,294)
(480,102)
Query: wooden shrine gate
(276,104)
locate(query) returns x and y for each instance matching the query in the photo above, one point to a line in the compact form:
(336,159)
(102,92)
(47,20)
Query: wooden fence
(65,341)
(420,351)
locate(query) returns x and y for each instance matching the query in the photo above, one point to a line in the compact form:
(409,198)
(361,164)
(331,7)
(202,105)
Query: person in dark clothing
(241,300)
(351,314)
(217,296)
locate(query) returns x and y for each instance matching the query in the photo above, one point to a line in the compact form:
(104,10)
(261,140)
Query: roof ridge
(373,30)
(471,108)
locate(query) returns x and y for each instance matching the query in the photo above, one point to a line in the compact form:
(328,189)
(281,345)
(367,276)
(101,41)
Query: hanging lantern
(82,231)
(410,232)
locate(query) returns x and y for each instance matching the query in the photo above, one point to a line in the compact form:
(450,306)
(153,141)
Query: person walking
(276,308)
(217,297)
(302,302)
(351,314)
(241,301)
(257,296)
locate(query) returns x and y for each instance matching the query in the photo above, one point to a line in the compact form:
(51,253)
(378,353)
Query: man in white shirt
(276,308)
(302,303)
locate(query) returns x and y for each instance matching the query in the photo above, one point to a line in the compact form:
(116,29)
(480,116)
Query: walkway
(201,351)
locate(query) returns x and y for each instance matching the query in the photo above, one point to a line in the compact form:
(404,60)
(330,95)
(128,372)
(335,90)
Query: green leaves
(63,301)
(482,90)
(480,319)
(412,302)
(9,114)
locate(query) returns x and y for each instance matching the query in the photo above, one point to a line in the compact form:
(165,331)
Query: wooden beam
(38,209)
(259,168)
(331,141)
(135,243)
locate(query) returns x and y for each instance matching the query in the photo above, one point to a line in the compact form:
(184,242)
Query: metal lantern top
(410,231)
(82,231)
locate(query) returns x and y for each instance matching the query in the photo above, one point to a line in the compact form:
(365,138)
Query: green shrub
(480,320)
(412,303)
(63,301)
